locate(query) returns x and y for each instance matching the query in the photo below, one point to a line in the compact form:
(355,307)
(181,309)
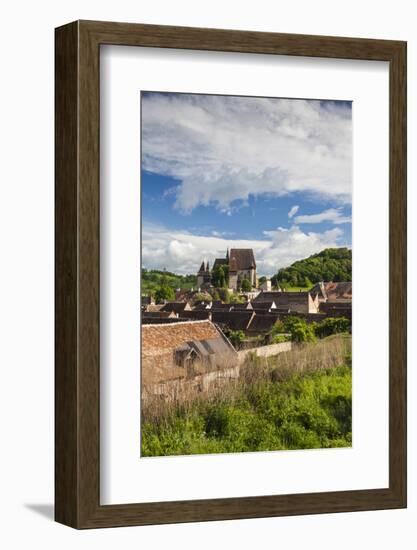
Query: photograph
(246,274)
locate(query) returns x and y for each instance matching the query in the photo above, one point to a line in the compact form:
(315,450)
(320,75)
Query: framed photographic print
(219,194)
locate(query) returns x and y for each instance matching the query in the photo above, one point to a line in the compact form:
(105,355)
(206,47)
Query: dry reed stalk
(306,357)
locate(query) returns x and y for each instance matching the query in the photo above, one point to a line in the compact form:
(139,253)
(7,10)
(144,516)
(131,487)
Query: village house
(147,300)
(298,302)
(152,307)
(196,314)
(337,308)
(233,320)
(146,315)
(185,356)
(263,307)
(265,285)
(261,324)
(332,291)
(176,307)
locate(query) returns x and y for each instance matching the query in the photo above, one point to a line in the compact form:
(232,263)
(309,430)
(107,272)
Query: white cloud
(334,215)
(223,148)
(293,211)
(182,252)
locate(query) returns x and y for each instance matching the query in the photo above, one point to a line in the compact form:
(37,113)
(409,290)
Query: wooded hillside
(331,264)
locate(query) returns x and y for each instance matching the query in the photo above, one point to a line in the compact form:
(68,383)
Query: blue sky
(224,171)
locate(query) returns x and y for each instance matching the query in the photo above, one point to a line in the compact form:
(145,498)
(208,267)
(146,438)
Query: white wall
(26,273)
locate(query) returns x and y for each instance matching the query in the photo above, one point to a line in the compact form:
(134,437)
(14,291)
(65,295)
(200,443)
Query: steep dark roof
(222,307)
(280,310)
(202,306)
(157,314)
(235,320)
(161,320)
(264,305)
(196,314)
(220,261)
(281,298)
(176,307)
(242,307)
(241,258)
(345,305)
(318,289)
(202,267)
(262,322)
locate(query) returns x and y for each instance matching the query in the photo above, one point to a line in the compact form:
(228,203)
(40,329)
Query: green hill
(331,264)
(153,279)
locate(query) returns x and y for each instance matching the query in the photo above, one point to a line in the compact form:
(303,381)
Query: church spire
(207,266)
(227,254)
(202,267)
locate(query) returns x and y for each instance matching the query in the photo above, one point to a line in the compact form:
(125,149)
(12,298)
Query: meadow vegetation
(153,280)
(301,399)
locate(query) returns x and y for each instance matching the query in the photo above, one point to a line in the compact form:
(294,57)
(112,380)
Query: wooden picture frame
(77,374)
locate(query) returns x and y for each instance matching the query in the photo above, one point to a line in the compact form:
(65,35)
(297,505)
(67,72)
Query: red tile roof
(170,336)
(241,258)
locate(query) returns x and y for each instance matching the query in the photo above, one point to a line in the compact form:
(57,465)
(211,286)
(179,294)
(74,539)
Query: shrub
(280,338)
(202,297)
(235,299)
(246,286)
(277,328)
(224,295)
(332,325)
(164,293)
(236,337)
(215,294)
(299,329)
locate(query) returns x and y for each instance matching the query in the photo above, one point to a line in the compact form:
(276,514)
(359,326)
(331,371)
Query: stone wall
(265,351)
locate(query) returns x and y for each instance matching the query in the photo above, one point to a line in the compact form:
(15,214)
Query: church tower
(233,279)
(201,274)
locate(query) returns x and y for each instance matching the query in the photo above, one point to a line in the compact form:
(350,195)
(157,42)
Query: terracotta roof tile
(156,338)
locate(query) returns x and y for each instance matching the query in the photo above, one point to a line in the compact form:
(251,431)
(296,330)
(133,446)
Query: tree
(202,297)
(331,264)
(307,283)
(235,299)
(164,293)
(246,286)
(332,325)
(215,294)
(299,329)
(220,276)
(280,338)
(224,295)
(278,328)
(274,281)
(216,276)
(225,269)
(236,337)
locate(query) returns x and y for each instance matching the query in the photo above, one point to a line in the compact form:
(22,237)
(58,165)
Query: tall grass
(295,400)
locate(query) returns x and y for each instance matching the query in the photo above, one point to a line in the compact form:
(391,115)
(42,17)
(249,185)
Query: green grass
(151,280)
(307,411)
